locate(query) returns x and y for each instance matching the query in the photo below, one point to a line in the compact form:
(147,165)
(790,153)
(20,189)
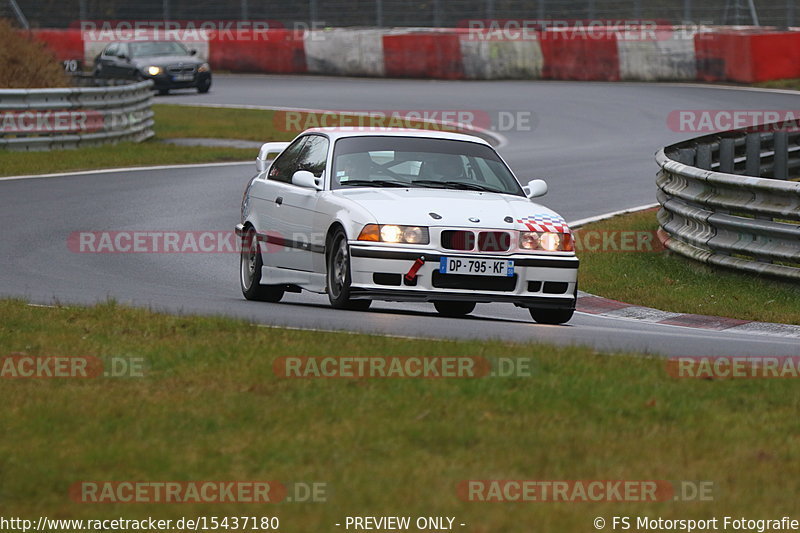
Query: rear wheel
(250,264)
(551,316)
(338,276)
(454,309)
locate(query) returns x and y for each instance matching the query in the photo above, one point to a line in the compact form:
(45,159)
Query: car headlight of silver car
(395,234)
(546,241)
(205,67)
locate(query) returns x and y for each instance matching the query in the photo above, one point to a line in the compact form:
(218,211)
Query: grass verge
(209,407)
(791,84)
(670,282)
(171,121)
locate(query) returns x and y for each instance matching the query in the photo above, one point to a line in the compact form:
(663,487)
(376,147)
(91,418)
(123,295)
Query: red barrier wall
(723,57)
(65,44)
(275,51)
(775,56)
(423,55)
(568,57)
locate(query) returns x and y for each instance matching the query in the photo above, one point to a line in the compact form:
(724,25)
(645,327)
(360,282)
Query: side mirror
(192,52)
(123,57)
(304,178)
(535,188)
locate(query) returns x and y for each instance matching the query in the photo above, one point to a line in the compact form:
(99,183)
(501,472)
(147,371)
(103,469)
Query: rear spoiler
(266,150)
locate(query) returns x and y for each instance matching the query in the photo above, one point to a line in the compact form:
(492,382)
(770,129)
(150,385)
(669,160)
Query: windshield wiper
(375,183)
(432,183)
(457,185)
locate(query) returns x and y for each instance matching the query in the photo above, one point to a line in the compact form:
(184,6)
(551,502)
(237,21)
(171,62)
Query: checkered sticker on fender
(543,223)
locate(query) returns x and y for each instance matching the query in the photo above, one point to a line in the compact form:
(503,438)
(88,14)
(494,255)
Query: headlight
(395,234)
(153,70)
(203,68)
(547,241)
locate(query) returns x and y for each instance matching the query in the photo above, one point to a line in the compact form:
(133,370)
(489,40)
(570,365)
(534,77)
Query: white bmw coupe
(402,215)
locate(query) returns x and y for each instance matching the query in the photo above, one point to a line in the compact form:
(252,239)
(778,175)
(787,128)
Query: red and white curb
(605,307)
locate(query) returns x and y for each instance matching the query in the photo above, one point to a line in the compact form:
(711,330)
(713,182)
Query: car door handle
(279,200)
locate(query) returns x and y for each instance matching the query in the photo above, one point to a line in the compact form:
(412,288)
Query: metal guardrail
(729,200)
(51,119)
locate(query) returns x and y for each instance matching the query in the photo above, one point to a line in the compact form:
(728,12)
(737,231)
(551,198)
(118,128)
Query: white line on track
(125,169)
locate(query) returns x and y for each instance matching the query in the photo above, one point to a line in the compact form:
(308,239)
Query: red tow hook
(412,272)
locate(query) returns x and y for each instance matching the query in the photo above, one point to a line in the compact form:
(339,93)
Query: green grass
(670,282)
(792,84)
(210,408)
(221,123)
(171,121)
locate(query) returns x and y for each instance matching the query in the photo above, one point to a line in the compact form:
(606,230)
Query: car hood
(163,61)
(414,207)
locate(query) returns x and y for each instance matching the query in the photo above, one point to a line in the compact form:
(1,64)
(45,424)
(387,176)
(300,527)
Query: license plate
(476,267)
(183,77)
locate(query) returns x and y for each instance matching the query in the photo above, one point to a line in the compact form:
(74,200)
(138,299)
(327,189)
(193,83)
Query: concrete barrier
(668,59)
(345,52)
(604,54)
(278,51)
(487,59)
(423,54)
(582,58)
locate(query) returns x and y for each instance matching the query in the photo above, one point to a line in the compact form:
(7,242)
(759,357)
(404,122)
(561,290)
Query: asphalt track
(593,142)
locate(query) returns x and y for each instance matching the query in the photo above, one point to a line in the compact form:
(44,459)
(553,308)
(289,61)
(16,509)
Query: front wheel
(454,309)
(250,264)
(204,86)
(551,316)
(338,276)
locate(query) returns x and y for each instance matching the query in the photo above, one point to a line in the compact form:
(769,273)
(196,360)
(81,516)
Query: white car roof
(341,133)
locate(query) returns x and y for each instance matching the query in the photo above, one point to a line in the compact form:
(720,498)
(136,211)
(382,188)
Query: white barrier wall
(345,52)
(670,59)
(499,59)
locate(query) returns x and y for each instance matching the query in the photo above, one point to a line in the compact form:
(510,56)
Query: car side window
(285,164)
(111,49)
(122,50)
(314,155)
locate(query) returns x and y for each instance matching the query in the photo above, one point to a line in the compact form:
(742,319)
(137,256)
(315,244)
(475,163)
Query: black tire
(551,316)
(454,309)
(204,86)
(250,264)
(338,275)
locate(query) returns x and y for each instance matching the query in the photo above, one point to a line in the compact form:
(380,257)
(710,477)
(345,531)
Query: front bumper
(539,281)
(167,81)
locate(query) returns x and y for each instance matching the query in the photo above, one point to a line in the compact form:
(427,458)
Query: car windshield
(389,161)
(155,48)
